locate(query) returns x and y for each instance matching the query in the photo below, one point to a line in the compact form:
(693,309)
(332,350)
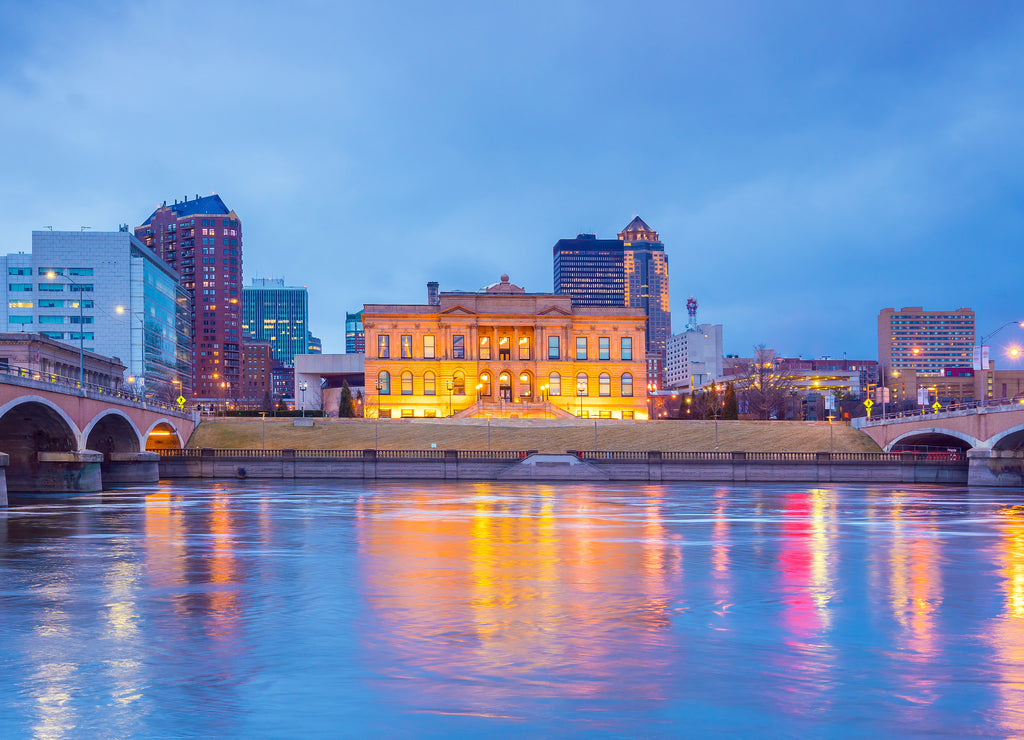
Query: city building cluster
(161,310)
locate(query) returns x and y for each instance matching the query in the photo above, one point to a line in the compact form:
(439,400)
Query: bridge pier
(130,468)
(4,459)
(60,472)
(1002,468)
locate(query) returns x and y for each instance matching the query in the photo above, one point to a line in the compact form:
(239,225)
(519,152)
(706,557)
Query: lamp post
(302,389)
(979,363)
(581,389)
(263,424)
(376,421)
(81,330)
(449,385)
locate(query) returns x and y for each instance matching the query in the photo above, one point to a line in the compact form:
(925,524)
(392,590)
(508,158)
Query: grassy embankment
(545,436)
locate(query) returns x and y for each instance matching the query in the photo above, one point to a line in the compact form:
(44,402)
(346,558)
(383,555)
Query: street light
(81,330)
(302,389)
(581,389)
(449,385)
(376,423)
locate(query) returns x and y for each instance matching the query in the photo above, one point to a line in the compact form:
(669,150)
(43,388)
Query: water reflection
(530,609)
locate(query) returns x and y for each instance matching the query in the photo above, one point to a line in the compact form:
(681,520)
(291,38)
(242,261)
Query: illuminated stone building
(504,352)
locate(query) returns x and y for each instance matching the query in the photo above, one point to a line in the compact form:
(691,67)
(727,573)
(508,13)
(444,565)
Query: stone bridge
(57,438)
(991,432)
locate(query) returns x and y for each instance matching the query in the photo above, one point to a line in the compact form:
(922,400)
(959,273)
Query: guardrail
(95,389)
(953,407)
(257,454)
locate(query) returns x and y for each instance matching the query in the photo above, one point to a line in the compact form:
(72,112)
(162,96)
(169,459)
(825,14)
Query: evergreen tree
(268,404)
(346,408)
(730,407)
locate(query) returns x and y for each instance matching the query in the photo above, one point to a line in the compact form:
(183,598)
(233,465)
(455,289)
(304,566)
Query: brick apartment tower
(202,239)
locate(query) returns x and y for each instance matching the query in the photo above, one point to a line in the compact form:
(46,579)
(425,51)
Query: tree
(281,405)
(730,407)
(712,403)
(268,403)
(766,386)
(346,407)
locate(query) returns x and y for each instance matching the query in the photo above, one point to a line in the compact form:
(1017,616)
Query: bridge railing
(953,407)
(93,388)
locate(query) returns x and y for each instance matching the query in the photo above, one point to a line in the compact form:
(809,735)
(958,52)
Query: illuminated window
(406,346)
(627,348)
(485,348)
(582,385)
(429,384)
(383,346)
(553,348)
(627,385)
(485,384)
(524,348)
(459,383)
(406,383)
(504,348)
(459,347)
(604,351)
(407,413)
(384,383)
(581,348)
(554,384)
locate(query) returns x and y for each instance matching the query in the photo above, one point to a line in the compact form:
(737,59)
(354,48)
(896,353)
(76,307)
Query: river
(333,609)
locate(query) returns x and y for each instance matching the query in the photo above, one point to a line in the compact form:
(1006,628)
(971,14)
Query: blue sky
(805,163)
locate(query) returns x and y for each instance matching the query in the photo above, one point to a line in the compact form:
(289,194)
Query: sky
(806,164)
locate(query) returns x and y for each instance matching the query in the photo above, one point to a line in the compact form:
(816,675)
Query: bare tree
(765,386)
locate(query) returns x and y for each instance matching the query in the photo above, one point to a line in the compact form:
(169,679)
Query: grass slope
(545,436)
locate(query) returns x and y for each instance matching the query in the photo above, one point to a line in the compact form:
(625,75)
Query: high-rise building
(277,313)
(925,341)
(105,291)
(694,357)
(355,337)
(202,240)
(629,271)
(257,368)
(315,346)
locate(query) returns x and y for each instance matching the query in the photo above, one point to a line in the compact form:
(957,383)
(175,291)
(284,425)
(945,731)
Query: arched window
(582,385)
(554,384)
(525,385)
(604,384)
(505,386)
(485,384)
(384,383)
(459,383)
(429,384)
(406,383)
(627,385)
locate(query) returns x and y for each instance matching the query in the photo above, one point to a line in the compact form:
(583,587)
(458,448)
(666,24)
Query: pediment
(554,310)
(458,309)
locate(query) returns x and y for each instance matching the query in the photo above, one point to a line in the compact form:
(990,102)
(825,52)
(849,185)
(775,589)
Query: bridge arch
(163,435)
(112,431)
(1009,439)
(935,437)
(32,424)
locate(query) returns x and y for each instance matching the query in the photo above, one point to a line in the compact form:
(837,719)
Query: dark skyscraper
(629,271)
(202,240)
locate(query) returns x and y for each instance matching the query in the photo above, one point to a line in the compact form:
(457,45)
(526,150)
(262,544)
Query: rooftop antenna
(49,228)
(691,310)
(83,228)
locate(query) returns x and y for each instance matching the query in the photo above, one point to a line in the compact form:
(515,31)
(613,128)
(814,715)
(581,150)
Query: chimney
(433,296)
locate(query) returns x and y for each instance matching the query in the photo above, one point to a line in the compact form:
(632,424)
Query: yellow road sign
(936,406)
(180,400)
(869,403)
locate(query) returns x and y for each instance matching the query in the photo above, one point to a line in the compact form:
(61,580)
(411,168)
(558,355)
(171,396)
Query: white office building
(108,293)
(694,357)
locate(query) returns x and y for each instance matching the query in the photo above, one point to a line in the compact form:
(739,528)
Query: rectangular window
(21,304)
(406,346)
(485,348)
(383,346)
(53,334)
(50,303)
(553,350)
(581,348)
(80,288)
(19,287)
(524,348)
(407,413)
(51,287)
(459,347)
(19,270)
(627,414)
(604,351)
(627,348)
(52,319)
(80,319)
(79,271)
(48,270)
(20,319)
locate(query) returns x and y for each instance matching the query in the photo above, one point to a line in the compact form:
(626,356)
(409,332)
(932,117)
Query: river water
(328,609)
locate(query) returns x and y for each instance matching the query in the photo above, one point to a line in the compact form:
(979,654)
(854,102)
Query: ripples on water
(248,609)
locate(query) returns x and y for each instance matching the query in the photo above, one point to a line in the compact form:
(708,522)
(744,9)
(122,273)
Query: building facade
(355,337)
(257,369)
(630,271)
(38,356)
(277,313)
(110,294)
(202,240)
(504,352)
(925,341)
(694,357)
